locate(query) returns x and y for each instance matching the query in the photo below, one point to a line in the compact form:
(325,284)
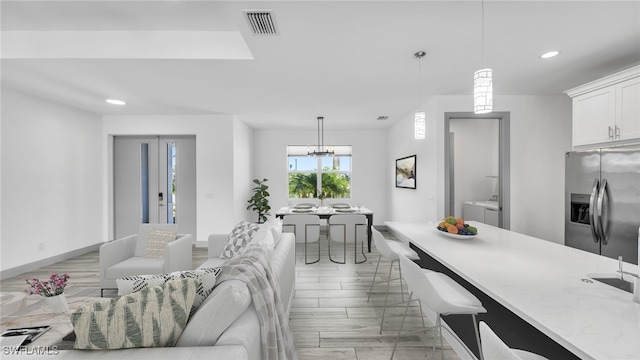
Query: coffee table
(40,314)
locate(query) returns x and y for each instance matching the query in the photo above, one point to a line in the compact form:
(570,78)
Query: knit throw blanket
(253,268)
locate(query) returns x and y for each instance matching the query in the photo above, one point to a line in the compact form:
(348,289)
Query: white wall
(371,172)
(214,163)
(51,179)
(242,170)
(410,204)
(540,135)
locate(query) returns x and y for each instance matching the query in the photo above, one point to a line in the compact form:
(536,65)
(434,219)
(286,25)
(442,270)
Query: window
(310,175)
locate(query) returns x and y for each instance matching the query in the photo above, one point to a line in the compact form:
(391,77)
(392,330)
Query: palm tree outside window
(310,176)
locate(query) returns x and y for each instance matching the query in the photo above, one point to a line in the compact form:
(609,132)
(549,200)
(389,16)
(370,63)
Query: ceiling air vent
(262,22)
(383,117)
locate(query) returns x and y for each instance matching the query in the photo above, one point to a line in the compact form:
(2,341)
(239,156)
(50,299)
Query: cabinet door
(491,216)
(594,117)
(628,109)
(472,212)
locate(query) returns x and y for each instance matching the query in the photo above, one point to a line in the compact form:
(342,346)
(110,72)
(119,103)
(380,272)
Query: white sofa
(240,340)
(245,330)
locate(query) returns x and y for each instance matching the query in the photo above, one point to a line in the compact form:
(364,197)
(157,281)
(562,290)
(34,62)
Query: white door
(154,182)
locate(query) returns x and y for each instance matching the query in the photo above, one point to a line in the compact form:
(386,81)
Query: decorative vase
(58,303)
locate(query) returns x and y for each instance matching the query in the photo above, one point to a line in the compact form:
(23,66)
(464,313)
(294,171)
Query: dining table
(325,212)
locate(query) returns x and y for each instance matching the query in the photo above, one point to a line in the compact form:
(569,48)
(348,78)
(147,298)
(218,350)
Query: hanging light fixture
(419,124)
(483,83)
(320,149)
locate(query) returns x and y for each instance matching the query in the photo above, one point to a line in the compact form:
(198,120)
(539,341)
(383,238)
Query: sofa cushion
(136,265)
(244,331)
(143,235)
(157,241)
(225,304)
(206,281)
(152,317)
(239,239)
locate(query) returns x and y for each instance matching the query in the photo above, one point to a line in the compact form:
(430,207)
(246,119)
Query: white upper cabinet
(607,110)
(628,109)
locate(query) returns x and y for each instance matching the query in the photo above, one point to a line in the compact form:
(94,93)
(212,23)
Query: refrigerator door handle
(592,211)
(601,195)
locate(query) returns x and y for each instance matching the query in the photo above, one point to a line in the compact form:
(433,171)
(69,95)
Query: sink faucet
(636,280)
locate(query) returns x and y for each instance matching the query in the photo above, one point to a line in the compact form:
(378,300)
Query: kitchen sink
(616,282)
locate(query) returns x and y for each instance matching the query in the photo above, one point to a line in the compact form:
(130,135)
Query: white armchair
(125,256)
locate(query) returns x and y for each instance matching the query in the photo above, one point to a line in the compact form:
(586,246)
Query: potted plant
(259,202)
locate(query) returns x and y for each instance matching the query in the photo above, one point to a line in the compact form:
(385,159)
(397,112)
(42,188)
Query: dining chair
(389,250)
(494,349)
(306,229)
(343,228)
(440,294)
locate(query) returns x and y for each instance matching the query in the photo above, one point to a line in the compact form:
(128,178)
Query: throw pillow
(206,278)
(263,237)
(158,240)
(276,229)
(153,317)
(239,239)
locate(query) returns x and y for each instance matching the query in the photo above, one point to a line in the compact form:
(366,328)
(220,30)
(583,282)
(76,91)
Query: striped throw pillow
(153,317)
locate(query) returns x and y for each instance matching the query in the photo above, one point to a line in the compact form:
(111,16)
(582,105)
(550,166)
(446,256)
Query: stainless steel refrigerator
(602,201)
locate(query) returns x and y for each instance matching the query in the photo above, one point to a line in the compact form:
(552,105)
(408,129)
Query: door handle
(602,193)
(610,133)
(592,210)
(617,132)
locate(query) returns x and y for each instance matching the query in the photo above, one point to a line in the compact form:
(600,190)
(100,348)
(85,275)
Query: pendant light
(483,83)
(320,149)
(419,125)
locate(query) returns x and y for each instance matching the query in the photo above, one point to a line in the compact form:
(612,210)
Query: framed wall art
(406,172)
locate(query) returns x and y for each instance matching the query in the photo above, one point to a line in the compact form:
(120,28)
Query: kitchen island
(538,287)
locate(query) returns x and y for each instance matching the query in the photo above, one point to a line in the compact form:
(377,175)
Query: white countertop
(541,282)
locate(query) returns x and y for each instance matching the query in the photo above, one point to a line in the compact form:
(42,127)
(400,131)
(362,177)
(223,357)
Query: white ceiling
(350,61)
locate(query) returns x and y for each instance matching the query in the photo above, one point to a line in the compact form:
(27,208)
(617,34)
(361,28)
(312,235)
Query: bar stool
(493,348)
(306,229)
(390,250)
(345,227)
(442,295)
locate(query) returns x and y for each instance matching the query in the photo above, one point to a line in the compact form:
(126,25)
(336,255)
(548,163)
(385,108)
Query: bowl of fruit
(456,228)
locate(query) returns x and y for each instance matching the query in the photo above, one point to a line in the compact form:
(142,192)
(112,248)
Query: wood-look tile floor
(330,316)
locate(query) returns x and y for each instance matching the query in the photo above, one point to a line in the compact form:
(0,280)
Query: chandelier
(419,117)
(320,149)
(483,83)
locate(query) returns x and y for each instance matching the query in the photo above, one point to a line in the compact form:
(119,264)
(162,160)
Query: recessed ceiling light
(116,102)
(549,54)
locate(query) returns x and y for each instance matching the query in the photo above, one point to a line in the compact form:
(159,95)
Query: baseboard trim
(18,270)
